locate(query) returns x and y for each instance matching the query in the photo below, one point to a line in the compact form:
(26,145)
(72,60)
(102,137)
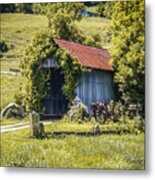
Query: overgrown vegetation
(78,113)
(37,78)
(3,46)
(128,50)
(23,28)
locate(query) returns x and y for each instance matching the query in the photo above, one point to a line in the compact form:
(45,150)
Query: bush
(13,113)
(128,125)
(3,46)
(78,113)
(104,112)
(127,119)
(19,98)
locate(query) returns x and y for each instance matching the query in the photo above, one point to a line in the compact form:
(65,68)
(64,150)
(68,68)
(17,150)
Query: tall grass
(101,152)
(10,84)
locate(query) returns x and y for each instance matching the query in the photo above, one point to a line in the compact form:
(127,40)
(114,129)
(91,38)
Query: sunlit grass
(17,31)
(103,152)
(10,84)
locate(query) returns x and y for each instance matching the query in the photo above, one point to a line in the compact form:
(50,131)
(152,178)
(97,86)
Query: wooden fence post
(34,124)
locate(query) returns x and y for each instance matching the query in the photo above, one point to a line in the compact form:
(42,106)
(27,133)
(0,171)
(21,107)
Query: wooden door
(55,102)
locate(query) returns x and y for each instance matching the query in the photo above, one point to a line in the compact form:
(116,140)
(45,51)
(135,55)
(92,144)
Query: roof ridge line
(80,44)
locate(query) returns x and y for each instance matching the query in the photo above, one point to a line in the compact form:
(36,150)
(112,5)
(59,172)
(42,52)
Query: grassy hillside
(17,31)
(10,84)
(91,25)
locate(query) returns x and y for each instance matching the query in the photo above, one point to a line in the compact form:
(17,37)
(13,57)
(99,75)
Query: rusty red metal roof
(88,56)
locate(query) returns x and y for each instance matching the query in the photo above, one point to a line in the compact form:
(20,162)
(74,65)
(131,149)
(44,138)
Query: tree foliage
(128,49)
(61,18)
(17,8)
(7,8)
(36,76)
(24,8)
(105,8)
(61,21)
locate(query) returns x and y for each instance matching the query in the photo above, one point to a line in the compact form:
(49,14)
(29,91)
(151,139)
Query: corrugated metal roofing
(88,56)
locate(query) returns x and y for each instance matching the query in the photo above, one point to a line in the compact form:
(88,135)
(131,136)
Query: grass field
(17,31)
(102,152)
(10,85)
(92,25)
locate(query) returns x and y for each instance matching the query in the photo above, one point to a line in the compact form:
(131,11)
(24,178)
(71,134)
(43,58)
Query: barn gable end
(96,86)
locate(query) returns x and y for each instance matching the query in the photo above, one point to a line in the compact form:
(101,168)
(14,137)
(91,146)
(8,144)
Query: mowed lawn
(72,151)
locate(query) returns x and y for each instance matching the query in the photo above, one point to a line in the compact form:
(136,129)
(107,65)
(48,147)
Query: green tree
(23,8)
(105,9)
(61,21)
(7,8)
(128,49)
(62,17)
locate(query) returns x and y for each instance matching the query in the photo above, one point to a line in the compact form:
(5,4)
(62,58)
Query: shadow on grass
(63,134)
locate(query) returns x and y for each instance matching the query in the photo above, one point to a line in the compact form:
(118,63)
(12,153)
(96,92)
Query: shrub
(104,112)
(3,46)
(13,113)
(128,125)
(78,112)
(19,98)
(127,119)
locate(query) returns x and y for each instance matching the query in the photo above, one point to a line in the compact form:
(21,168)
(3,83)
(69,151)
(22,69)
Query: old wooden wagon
(96,84)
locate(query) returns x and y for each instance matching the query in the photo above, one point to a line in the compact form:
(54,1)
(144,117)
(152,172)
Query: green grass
(92,25)
(10,85)
(17,31)
(76,127)
(102,152)
(11,121)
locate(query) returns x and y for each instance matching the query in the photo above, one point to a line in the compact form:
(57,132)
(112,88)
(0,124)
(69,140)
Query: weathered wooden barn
(96,84)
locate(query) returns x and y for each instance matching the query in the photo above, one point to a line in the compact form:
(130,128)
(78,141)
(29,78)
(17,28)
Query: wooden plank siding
(96,86)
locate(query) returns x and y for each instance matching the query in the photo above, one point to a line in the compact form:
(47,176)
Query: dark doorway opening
(55,103)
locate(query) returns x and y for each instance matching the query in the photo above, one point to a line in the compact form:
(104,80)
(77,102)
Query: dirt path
(13,127)
(10,72)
